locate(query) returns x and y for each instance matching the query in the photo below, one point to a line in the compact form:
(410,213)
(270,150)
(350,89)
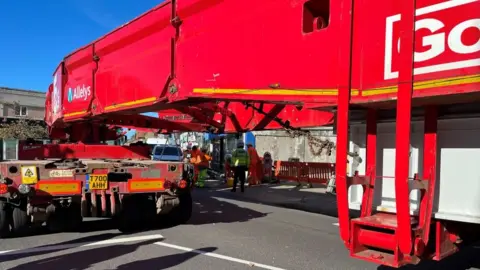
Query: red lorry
(411,66)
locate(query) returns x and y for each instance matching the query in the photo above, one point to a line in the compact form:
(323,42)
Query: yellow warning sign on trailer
(29,175)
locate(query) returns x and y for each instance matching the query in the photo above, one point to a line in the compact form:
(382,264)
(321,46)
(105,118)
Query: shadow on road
(468,258)
(291,198)
(87,226)
(86,258)
(46,249)
(208,210)
(165,262)
(325,204)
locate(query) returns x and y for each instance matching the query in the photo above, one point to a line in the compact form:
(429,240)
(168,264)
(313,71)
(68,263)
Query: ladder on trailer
(386,238)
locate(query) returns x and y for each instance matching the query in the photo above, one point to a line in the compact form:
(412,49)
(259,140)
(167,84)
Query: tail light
(182,184)
(167,184)
(3,188)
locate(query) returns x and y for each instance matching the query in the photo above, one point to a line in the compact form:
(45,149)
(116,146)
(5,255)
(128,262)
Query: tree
(23,129)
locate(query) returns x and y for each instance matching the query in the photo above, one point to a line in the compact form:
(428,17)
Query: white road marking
(6,251)
(219,256)
(335,224)
(126,240)
(283,187)
(134,239)
(77,245)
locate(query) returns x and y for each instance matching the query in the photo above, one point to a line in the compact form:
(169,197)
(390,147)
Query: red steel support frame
(343,112)
(429,170)
(404,105)
(203,116)
(371,163)
(269,117)
(152,123)
(224,111)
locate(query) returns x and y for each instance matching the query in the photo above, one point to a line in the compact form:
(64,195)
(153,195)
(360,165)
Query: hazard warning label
(29,175)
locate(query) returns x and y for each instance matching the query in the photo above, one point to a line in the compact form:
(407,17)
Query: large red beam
(70,151)
(236,117)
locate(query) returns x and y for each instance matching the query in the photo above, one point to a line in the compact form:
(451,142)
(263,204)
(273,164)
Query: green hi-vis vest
(240,157)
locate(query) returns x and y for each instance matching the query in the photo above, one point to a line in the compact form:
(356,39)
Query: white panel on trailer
(457,195)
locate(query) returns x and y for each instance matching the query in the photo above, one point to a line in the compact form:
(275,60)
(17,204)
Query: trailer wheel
(74,216)
(4,220)
(65,219)
(19,220)
(137,213)
(129,215)
(55,222)
(183,212)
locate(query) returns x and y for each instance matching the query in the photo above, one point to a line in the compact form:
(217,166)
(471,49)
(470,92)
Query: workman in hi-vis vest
(201,166)
(255,167)
(240,162)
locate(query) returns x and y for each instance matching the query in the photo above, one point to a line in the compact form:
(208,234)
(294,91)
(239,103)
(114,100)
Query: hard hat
(240,144)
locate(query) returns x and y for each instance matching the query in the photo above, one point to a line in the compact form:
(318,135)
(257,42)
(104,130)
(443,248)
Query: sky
(36,34)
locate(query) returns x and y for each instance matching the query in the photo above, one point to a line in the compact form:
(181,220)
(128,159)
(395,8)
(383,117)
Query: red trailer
(422,88)
(237,65)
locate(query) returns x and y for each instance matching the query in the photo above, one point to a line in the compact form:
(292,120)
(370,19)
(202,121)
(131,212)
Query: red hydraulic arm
(404,111)
(342,122)
(366,236)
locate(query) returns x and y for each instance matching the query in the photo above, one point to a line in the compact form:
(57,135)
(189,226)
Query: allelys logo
(79,93)
(447,37)
(56,95)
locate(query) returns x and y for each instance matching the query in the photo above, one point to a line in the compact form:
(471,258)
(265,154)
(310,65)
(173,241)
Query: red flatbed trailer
(204,58)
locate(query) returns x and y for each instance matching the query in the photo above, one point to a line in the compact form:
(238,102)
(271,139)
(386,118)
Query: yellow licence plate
(98,182)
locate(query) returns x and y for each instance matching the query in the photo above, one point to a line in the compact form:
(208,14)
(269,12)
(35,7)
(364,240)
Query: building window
(20,110)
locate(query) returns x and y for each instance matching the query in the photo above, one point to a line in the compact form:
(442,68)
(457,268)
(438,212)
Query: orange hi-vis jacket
(254,158)
(199,159)
(194,155)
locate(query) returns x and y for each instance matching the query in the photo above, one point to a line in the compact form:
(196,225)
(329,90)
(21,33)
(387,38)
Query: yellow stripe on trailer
(146,185)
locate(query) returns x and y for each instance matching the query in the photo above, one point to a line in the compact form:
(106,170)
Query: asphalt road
(224,233)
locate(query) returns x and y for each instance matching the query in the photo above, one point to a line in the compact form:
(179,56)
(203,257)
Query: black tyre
(4,220)
(130,216)
(183,212)
(65,219)
(74,217)
(20,220)
(56,222)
